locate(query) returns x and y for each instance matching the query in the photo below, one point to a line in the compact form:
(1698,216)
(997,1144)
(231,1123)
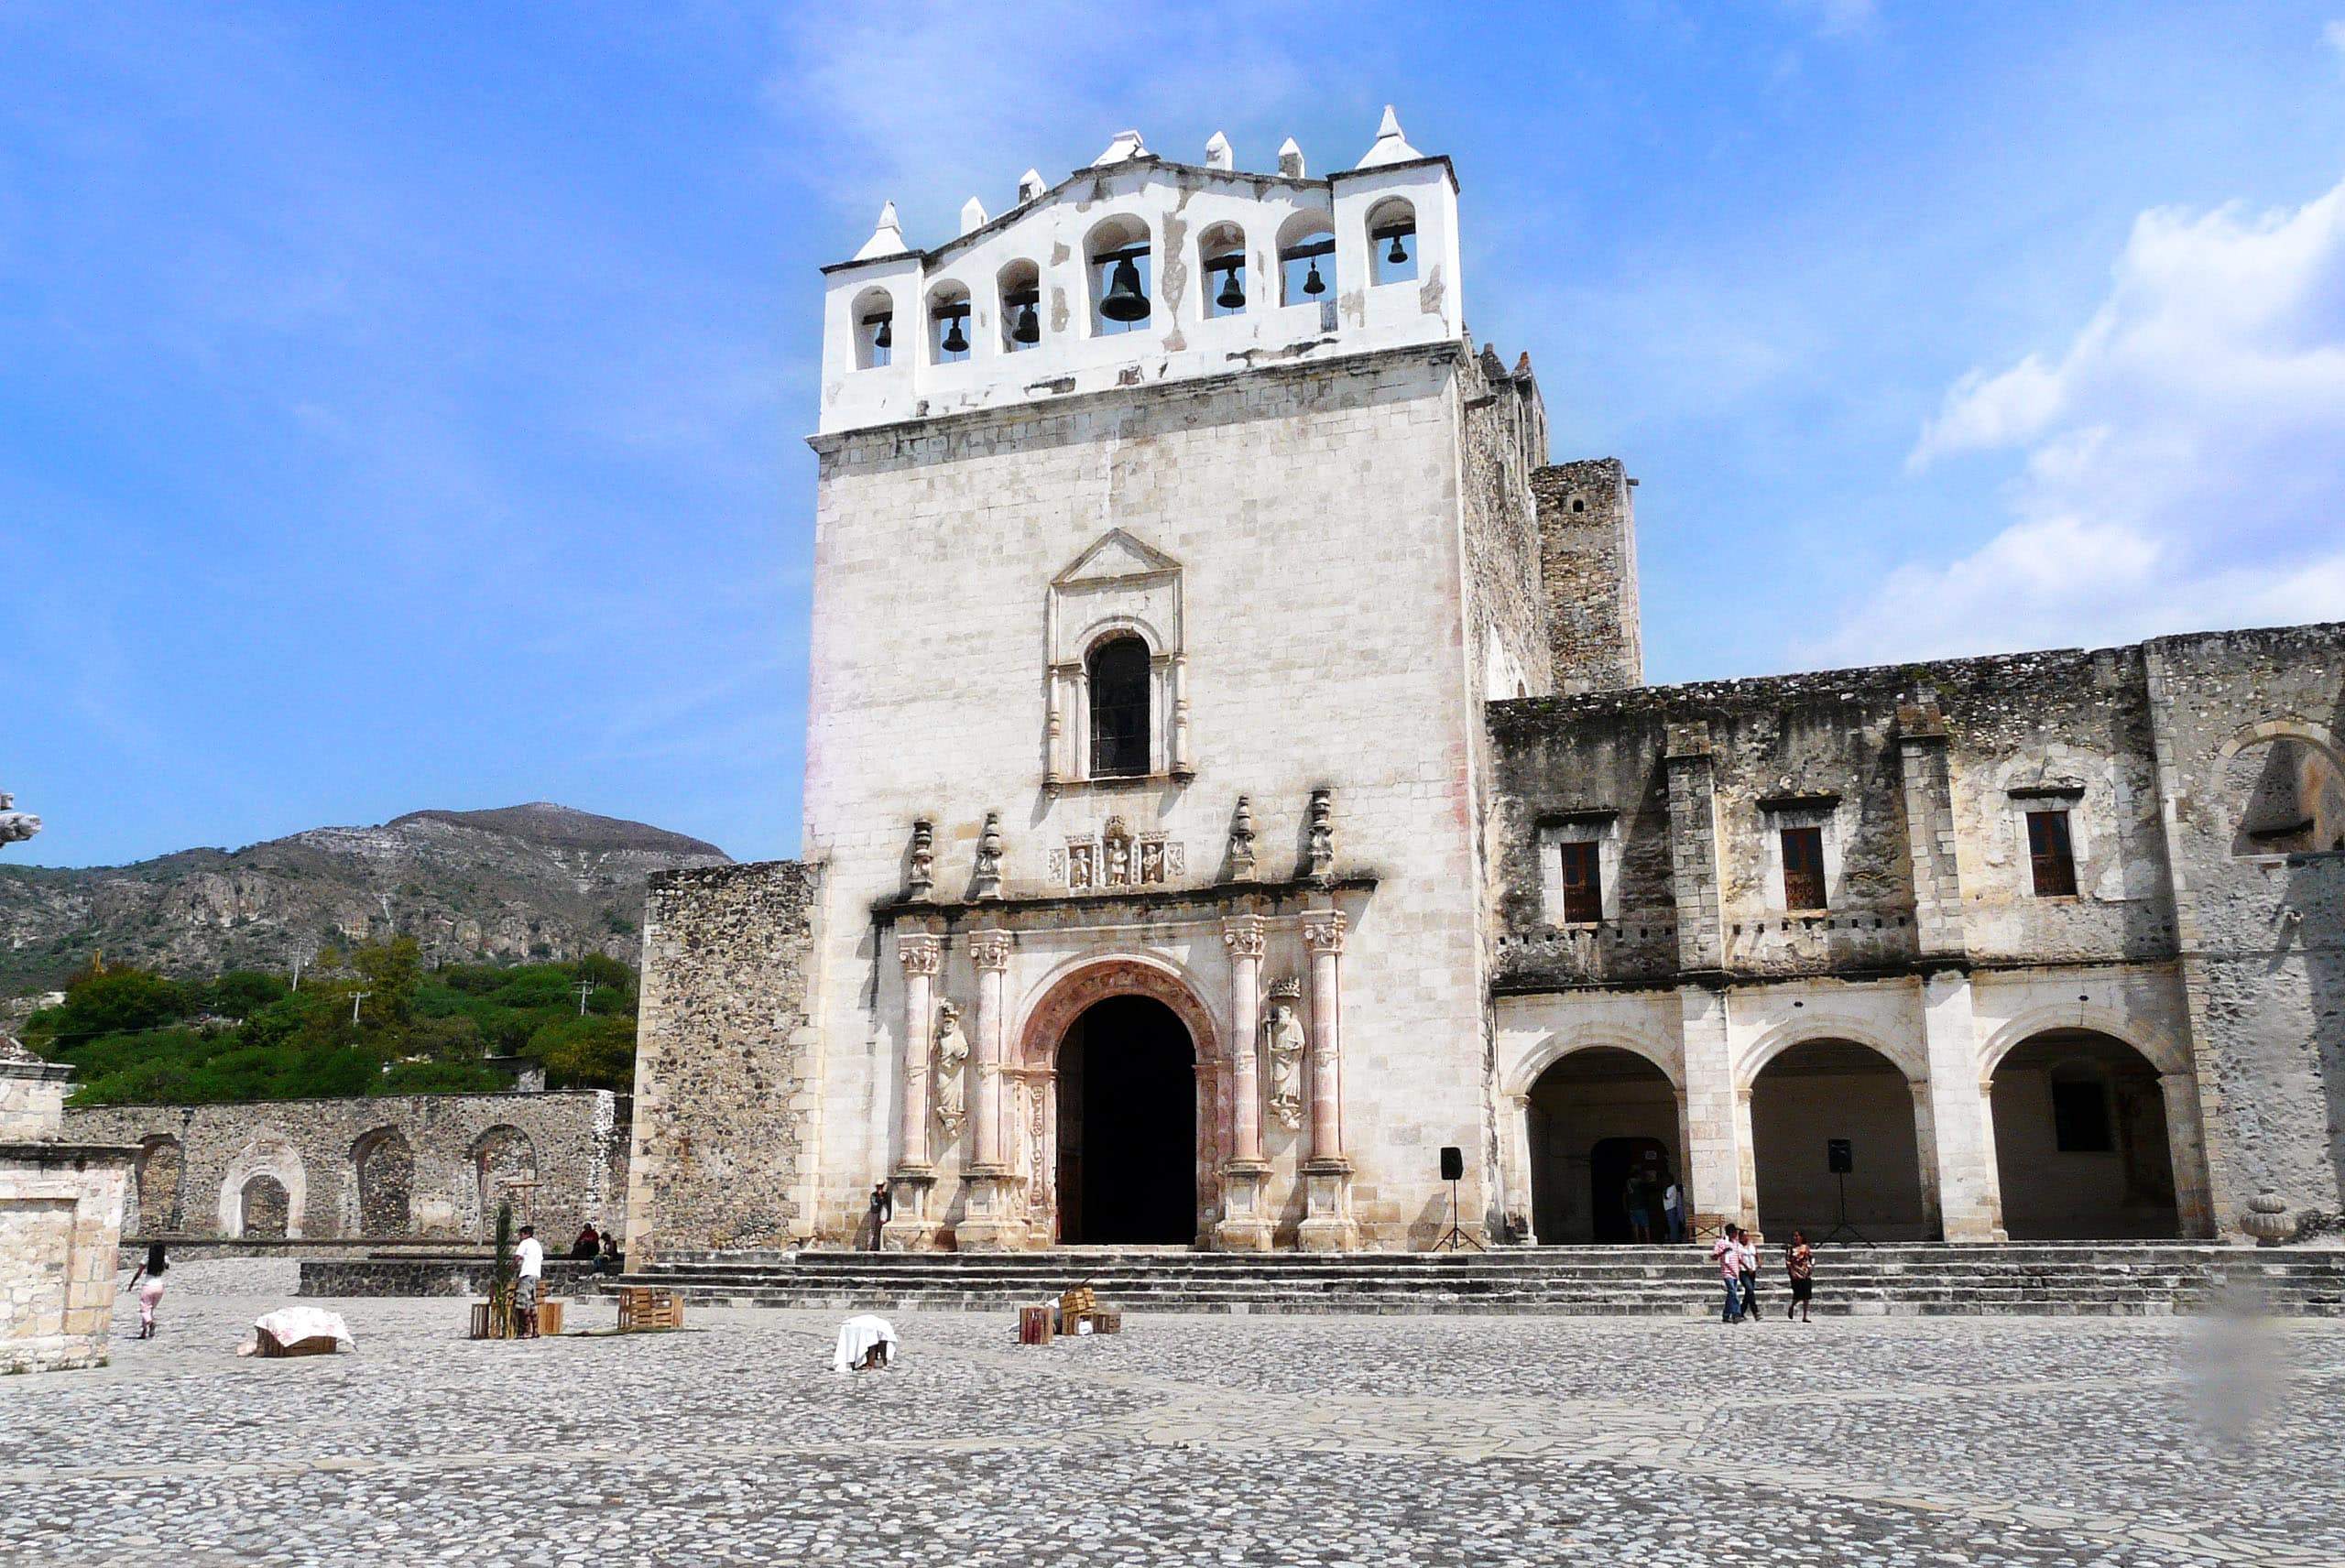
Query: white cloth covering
(306,1331)
(858,1335)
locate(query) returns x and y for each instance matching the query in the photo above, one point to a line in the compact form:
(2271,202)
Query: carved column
(1328,1224)
(1245,1215)
(1182,765)
(912,1226)
(990,1222)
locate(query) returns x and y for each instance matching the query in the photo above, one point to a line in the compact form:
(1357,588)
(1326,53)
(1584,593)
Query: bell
(1026,328)
(885,337)
(1313,284)
(1124,303)
(955,340)
(1231,298)
(1398,256)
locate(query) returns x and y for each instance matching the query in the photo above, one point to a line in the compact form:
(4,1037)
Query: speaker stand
(1844,1228)
(1457,1238)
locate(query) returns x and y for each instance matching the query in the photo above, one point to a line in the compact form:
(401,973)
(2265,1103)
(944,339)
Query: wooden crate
(647,1306)
(1034,1325)
(1106,1321)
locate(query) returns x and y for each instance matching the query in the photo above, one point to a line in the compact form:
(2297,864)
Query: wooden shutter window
(2047,851)
(1583,885)
(1803,868)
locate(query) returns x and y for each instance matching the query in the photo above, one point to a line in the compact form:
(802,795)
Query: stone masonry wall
(727,1065)
(438,1158)
(1588,566)
(1505,442)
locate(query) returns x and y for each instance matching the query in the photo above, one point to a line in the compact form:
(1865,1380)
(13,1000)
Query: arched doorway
(161,1162)
(1601,1119)
(503,1157)
(2081,1149)
(386,1168)
(266,1207)
(1822,1091)
(1128,1125)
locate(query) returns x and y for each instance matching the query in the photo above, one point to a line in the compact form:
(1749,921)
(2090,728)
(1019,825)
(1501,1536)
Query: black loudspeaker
(1840,1156)
(1453,1164)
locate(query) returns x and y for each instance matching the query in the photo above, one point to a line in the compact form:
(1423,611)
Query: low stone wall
(444,1274)
(430,1166)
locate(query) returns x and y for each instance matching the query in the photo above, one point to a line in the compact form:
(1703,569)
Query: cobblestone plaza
(1312,1440)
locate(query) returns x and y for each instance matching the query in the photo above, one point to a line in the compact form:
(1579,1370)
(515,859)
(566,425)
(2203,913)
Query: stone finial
(16,827)
(1290,159)
(887,238)
(1029,185)
(1390,147)
(1218,154)
(972,214)
(1242,841)
(988,878)
(2266,1219)
(1323,835)
(922,883)
(1126,144)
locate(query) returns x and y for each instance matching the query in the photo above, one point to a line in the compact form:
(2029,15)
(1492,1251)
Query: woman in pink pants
(152,1271)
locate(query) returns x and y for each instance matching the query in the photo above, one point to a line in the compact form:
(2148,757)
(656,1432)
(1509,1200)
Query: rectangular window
(1583,883)
(2048,851)
(1803,868)
(2080,1116)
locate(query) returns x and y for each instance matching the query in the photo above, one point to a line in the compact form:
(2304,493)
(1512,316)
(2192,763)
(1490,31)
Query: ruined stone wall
(379,1165)
(727,1062)
(2262,929)
(1505,440)
(1587,533)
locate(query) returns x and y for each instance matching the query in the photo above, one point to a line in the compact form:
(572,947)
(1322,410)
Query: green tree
(389,973)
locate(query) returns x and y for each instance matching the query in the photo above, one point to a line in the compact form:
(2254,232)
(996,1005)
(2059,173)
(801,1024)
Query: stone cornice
(1212,901)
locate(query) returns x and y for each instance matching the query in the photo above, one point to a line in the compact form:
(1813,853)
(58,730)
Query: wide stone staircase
(2110,1279)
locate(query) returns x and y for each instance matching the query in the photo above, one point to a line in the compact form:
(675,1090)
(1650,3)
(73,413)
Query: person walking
(1799,1262)
(882,1208)
(1637,1200)
(1746,1252)
(1673,1209)
(150,1295)
(1727,1253)
(530,1281)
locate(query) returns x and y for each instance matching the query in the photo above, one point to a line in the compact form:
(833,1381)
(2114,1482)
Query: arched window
(1118,679)
(874,319)
(948,324)
(1020,284)
(1392,242)
(1306,259)
(1221,263)
(1122,278)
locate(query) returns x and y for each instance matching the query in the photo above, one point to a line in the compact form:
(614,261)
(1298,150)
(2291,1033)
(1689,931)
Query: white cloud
(2183,456)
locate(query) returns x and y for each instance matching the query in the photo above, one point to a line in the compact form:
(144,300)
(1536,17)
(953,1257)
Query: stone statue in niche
(1081,865)
(951,1052)
(1116,843)
(1242,841)
(1323,835)
(1282,1042)
(924,867)
(1152,859)
(987,884)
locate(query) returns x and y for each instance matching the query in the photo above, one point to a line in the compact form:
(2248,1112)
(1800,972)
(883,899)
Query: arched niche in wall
(1117,591)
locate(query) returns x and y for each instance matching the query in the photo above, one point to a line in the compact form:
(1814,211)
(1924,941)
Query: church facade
(1230,783)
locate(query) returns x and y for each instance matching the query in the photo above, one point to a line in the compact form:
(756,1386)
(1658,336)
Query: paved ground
(1301,1441)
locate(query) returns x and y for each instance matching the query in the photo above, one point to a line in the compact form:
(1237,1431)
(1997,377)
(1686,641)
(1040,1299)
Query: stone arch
(1392,236)
(2300,760)
(501,1154)
(161,1162)
(873,318)
(1119,235)
(1815,1083)
(2155,1046)
(2083,1145)
(1908,1056)
(270,1155)
(1554,1047)
(1307,250)
(383,1173)
(1223,264)
(1604,1133)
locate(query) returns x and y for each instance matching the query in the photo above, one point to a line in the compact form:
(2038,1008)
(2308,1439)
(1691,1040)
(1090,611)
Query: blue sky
(400,406)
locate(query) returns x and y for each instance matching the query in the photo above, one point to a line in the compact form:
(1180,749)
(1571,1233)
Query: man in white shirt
(524,1290)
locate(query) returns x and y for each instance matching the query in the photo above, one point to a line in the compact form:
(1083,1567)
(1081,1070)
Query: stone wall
(60,1222)
(1505,440)
(388,1166)
(1587,533)
(727,1065)
(343,1276)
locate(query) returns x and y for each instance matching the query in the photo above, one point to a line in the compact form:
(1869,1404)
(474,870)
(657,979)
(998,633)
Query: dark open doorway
(1615,1167)
(1128,1125)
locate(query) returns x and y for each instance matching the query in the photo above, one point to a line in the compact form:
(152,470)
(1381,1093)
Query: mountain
(539,881)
